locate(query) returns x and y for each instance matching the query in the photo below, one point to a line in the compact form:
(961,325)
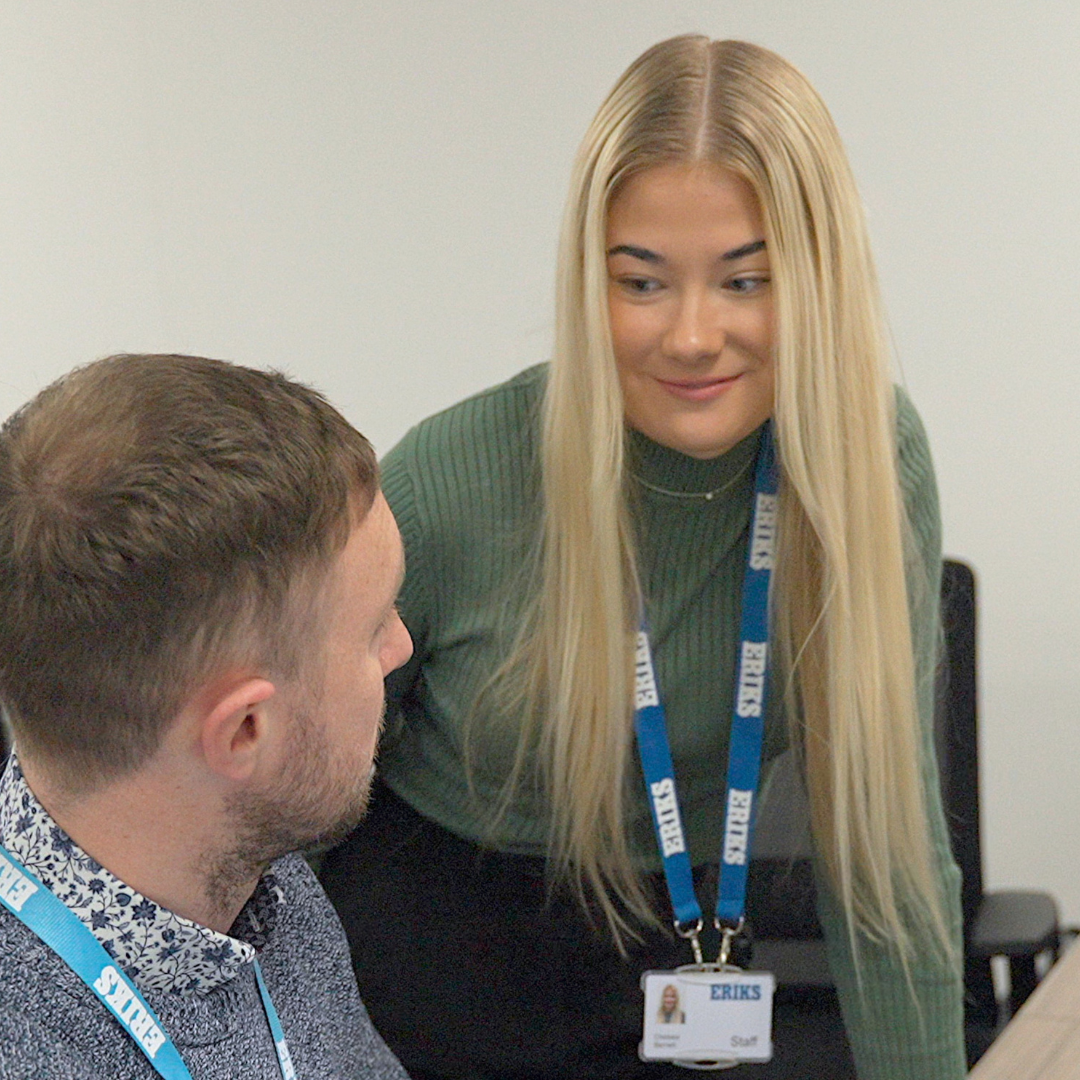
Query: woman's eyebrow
(741,252)
(645,255)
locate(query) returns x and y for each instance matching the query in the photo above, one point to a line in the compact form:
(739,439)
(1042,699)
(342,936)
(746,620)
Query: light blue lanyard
(62,930)
(747,734)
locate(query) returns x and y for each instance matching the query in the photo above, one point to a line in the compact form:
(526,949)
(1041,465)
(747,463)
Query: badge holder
(707,1016)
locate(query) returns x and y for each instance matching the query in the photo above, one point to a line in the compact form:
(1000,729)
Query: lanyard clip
(727,935)
(692,932)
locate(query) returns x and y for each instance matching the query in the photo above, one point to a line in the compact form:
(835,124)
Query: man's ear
(234,729)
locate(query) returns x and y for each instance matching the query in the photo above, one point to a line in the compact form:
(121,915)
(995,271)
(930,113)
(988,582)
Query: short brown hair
(155,514)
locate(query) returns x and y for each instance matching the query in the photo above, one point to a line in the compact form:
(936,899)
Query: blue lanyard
(62,930)
(288,1070)
(747,731)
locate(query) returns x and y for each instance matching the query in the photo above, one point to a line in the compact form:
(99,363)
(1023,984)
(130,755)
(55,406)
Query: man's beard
(309,807)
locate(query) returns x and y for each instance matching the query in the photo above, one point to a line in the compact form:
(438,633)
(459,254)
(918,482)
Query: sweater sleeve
(904,1025)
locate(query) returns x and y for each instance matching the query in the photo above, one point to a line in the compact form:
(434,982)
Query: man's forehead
(375,554)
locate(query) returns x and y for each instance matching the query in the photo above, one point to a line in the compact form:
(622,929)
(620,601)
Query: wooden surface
(1042,1042)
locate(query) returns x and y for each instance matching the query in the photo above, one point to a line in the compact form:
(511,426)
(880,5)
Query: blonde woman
(669,1011)
(715,283)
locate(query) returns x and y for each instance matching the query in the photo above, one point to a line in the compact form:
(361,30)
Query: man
(197,585)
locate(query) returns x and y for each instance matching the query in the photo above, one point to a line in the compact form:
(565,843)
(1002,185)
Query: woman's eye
(748,283)
(639,286)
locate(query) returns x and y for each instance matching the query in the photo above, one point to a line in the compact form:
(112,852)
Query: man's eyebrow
(392,603)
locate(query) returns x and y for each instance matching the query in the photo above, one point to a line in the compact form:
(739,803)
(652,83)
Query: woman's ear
(235,728)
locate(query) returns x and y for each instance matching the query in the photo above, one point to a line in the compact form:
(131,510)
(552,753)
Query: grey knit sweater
(53,1028)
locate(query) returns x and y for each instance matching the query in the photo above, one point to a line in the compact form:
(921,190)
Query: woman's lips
(697,389)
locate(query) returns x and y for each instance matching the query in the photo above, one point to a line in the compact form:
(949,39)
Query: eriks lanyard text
(62,930)
(747,734)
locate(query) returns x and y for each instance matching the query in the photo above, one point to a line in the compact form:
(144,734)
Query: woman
(669,1011)
(504,898)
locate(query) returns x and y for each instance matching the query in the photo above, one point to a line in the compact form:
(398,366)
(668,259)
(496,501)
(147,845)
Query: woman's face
(691,307)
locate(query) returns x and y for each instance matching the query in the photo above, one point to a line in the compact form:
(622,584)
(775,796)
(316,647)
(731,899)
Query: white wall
(367,195)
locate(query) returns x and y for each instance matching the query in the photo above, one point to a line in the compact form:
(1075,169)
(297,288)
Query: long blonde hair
(840,598)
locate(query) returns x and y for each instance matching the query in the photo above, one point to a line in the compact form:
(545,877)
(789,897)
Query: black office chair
(1020,926)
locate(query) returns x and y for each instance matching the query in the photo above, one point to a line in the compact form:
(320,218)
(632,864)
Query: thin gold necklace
(708,496)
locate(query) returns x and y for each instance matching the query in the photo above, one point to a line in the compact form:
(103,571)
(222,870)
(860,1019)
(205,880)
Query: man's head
(169,524)
(314,789)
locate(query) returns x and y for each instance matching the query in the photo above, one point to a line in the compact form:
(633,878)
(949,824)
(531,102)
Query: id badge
(707,1016)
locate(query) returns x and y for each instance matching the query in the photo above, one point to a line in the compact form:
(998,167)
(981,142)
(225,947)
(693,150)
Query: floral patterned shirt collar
(161,951)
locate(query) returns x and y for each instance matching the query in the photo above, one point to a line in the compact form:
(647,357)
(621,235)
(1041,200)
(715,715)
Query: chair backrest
(957,729)
(781,892)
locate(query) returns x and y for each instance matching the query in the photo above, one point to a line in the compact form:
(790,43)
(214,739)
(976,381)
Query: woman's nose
(696,331)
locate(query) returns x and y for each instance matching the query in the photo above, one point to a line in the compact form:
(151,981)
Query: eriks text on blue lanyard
(62,930)
(747,731)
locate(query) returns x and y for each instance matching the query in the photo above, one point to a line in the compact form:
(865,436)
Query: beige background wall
(367,194)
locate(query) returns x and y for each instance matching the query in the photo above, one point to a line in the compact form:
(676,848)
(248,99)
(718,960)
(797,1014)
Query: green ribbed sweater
(464,488)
